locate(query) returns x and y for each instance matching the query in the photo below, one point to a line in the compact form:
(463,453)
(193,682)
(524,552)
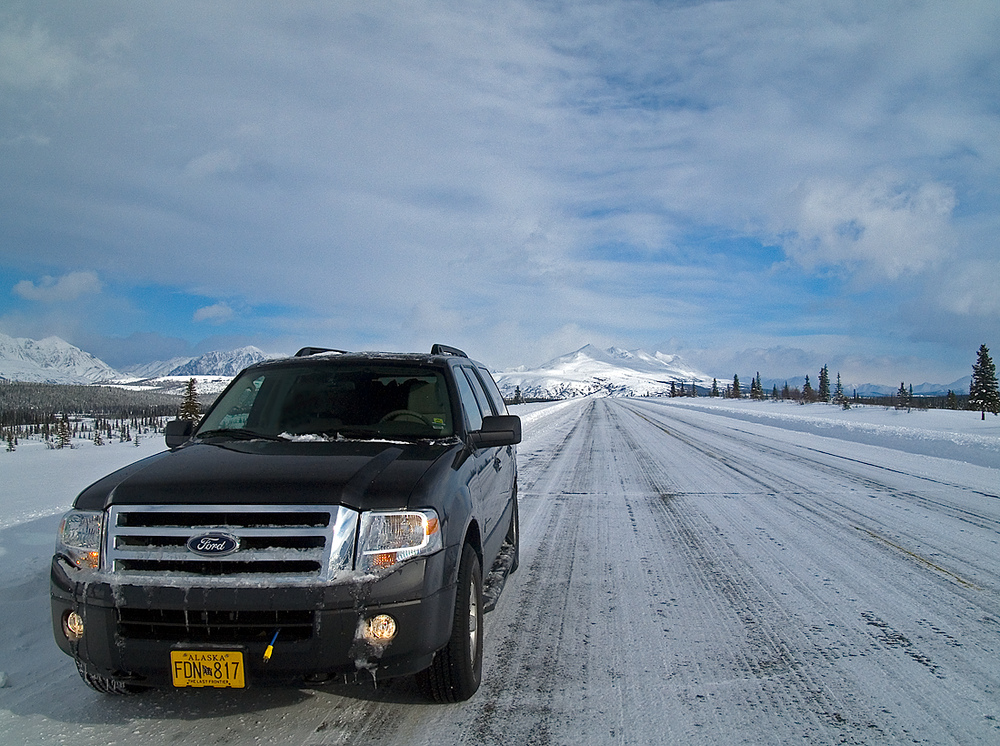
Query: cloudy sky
(756,185)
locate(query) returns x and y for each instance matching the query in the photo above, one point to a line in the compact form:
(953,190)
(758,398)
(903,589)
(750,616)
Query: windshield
(359,401)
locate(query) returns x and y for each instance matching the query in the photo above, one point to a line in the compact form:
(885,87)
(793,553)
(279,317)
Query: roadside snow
(692,571)
(37,481)
(946,433)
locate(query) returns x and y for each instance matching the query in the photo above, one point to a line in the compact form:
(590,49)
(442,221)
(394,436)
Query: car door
(507,467)
(485,482)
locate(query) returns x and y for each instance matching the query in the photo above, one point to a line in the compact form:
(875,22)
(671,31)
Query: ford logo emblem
(214,544)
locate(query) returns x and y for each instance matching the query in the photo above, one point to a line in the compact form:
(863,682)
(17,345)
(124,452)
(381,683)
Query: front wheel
(457,669)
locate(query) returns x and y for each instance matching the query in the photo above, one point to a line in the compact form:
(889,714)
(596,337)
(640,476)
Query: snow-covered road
(687,576)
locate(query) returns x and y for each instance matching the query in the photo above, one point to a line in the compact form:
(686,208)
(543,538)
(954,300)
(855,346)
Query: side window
(477,388)
(491,388)
(470,404)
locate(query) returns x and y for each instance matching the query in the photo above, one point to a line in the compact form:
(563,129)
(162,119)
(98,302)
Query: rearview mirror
(498,430)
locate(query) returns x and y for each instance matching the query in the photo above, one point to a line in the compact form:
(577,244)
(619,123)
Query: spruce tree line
(58,414)
(39,403)
(984,395)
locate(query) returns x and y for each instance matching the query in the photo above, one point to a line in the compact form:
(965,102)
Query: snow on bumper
(130,630)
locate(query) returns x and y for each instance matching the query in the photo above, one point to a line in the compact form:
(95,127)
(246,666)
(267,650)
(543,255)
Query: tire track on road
(758,657)
(913,600)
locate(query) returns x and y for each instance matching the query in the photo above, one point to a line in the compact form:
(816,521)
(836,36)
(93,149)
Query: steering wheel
(407,413)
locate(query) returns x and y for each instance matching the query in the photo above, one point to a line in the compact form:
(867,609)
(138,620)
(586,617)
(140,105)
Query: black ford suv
(332,513)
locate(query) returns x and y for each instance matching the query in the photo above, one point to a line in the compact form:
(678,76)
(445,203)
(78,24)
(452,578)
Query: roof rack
(446,350)
(307,351)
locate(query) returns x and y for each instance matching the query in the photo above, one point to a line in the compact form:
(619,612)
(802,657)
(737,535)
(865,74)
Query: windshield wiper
(236,433)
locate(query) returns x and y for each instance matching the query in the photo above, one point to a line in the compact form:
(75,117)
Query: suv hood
(362,475)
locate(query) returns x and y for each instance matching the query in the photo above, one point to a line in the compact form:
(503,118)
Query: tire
(104,685)
(457,670)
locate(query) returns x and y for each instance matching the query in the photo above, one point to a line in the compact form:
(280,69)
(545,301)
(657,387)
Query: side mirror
(178,432)
(498,430)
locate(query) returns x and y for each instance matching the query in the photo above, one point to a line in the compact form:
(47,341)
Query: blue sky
(753,185)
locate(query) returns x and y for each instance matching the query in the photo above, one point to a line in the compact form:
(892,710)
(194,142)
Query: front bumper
(129,630)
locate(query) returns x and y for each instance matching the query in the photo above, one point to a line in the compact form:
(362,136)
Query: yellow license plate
(215,668)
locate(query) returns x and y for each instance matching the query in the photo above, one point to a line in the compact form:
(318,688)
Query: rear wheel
(457,669)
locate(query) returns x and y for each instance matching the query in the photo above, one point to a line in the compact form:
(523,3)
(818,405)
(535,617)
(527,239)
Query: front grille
(178,625)
(277,545)
(219,567)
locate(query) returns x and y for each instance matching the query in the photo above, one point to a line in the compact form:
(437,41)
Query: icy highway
(686,577)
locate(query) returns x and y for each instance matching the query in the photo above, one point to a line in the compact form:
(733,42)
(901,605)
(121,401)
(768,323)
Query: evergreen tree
(736,387)
(807,391)
(715,388)
(786,393)
(190,409)
(518,397)
(983,392)
(824,385)
(951,401)
(63,433)
(901,396)
(838,394)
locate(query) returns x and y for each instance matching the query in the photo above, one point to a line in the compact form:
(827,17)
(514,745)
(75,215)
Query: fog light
(381,628)
(72,626)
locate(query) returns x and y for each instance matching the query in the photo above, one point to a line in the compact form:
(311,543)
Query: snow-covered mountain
(156,368)
(220,363)
(53,360)
(961,386)
(216,363)
(613,372)
(50,360)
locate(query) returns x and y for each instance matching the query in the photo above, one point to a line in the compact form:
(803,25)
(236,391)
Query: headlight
(80,538)
(389,538)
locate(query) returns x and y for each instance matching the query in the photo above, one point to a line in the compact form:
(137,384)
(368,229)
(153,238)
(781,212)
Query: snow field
(691,572)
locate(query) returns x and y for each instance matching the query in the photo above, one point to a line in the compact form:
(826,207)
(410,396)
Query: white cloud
(30,59)
(971,289)
(519,173)
(879,227)
(69,287)
(216,314)
(217,162)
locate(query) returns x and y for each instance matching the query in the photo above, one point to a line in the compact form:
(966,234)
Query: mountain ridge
(613,371)
(50,360)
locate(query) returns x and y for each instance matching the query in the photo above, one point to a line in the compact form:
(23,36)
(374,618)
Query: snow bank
(945,433)
(39,481)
